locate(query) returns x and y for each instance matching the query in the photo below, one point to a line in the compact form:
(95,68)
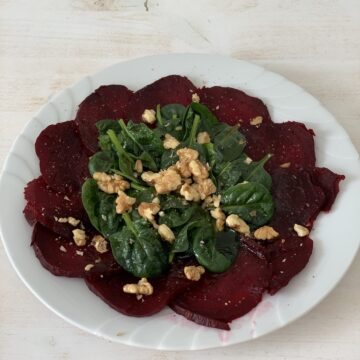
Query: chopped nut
(301,230)
(124,203)
(149,116)
(99,243)
(111,184)
(183,168)
(149,177)
(256,121)
(193,273)
(80,253)
(79,237)
(285,165)
(187,154)
(166,233)
(216,199)
(156,200)
(205,188)
(88,267)
(72,221)
(219,215)
(169,180)
(236,223)
(203,138)
(62,248)
(138,167)
(170,142)
(248,160)
(265,233)
(198,170)
(190,192)
(148,210)
(195,98)
(143,287)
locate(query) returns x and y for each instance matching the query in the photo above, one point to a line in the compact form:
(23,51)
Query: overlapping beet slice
(229,295)
(166,288)
(173,89)
(107,102)
(63,160)
(62,257)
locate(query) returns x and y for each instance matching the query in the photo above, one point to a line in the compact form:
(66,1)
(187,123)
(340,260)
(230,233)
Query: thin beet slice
(297,199)
(62,257)
(107,102)
(290,143)
(173,89)
(46,206)
(287,256)
(229,295)
(63,160)
(109,289)
(233,106)
(329,182)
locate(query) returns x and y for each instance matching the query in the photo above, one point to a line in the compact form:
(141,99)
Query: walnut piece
(148,210)
(285,165)
(79,237)
(166,233)
(88,267)
(138,167)
(193,273)
(256,121)
(198,170)
(143,287)
(149,116)
(248,160)
(265,233)
(100,244)
(110,184)
(220,217)
(149,177)
(203,138)
(71,220)
(124,203)
(205,188)
(170,142)
(187,154)
(190,192)
(195,98)
(301,230)
(236,223)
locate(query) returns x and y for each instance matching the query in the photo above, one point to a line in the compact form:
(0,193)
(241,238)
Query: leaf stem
(158,115)
(194,130)
(129,223)
(136,186)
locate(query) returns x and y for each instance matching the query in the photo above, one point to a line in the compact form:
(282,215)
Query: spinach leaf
(251,201)
(168,158)
(176,217)
(102,161)
(103,126)
(138,249)
(145,195)
(255,172)
(208,119)
(170,120)
(216,252)
(213,155)
(228,173)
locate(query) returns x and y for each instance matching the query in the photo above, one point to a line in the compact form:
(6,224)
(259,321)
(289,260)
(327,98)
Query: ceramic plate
(336,235)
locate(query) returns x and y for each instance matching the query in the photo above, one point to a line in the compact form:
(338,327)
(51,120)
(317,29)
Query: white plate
(336,235)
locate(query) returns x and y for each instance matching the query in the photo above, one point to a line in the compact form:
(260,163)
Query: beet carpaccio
(177,196)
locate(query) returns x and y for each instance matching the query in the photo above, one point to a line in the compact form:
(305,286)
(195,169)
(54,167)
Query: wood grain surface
(46,45)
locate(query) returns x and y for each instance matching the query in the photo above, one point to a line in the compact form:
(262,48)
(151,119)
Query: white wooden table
(48,44)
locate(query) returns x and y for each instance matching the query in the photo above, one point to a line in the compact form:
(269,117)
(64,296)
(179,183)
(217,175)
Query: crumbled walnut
(265,233)
(220,217)
(248,160)
(71,220)
(170,142)
(88,267)
(166,233)
(148,210)
(183,168)
(80,253)
(190,192)
(193,273)
(124,203)
(99,243)
(155,200)
(149,177)
(149,116)
(143,287)
(187,154)
(301,230)
(110,184)
(198,170)
(256,121)
(216,199)
(195,98)
(203,138)
(205,188)
(62,248)
(236,223)
(138,167)
(79,237)
(285,165)
(169,180)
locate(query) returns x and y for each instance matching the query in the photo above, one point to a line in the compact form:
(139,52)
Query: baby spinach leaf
(138,249)
(228,173)
(168,158)
(255,172)
(251,201)
(104,125)
(90,200)
(208,119)
(176,217)
(102,161)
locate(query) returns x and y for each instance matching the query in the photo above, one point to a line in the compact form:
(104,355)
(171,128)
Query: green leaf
(176,217)
(255,172)
(102,161)
(251,201)
(208,119)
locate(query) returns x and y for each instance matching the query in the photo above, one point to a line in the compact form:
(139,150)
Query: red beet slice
(229,295)
(233,106)
(329,182)
(45,205)
(107,102)
(63,161)
(61,256)
(288,256)
(297,199)
(173,89)
(109,289)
